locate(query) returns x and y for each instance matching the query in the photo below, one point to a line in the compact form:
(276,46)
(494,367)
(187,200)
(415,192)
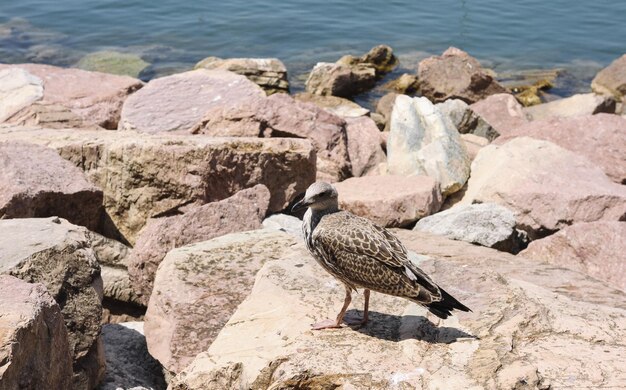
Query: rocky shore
(146,239)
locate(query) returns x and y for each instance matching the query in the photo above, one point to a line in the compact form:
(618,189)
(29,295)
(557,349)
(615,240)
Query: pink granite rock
(390,201)
(82,97)
(34,351)
(572,106)
(243,211)
(595,248)
(502,111)
(455,75)
(612,79)
(601,138)
(36,182)
(548,187)
(364,145)
(473,144)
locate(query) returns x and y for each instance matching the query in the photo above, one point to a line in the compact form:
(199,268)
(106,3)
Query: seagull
(363,255)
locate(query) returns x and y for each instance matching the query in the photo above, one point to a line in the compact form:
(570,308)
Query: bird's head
(319,196)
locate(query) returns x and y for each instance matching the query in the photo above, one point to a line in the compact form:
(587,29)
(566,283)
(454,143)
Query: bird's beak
(302,204)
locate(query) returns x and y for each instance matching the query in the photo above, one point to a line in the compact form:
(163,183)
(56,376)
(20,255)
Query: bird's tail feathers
(444,307)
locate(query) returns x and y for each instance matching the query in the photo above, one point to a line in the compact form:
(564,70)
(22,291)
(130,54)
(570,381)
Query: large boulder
(529,329)
(178,103)
(36,182)
(423,141)
(57,254)
(594,248)
(243,211)
(502,111)
(268,73)
(364,145)
(547,186)
(389,200)
(18,89)
(34,351)
(151,175)
(199,286)
(340,80)
(601,138)
(612,79)
(129,365)
(576,105)
(84,98)
(466,120)
(486,224)
(455,75)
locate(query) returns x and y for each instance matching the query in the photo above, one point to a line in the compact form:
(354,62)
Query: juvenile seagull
(361,254)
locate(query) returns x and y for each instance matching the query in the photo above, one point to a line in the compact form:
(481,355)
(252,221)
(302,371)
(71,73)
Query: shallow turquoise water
(174,35)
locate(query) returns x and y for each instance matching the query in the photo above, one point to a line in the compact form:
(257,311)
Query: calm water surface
(582,36)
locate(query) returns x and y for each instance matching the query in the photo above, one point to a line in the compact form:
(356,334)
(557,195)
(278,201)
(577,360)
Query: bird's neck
(313,216)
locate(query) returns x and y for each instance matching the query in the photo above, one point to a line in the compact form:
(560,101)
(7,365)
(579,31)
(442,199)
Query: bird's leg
(362,320)
(326,324)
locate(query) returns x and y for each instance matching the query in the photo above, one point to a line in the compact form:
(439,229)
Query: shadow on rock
(398,328)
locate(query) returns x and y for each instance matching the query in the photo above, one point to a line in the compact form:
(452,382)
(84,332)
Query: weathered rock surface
(407,84)
(576,105)
(18,89)
(466,120)
(389,200)
(199,286)
(422,141)
(384,107)
(601,138)
(114,62)
(268,73)
(486,224)
(334,104)
(547,186)
(243,211)
(455,75)
(529,329)
(36,182)
(34,351)
(150,175)
(285,223)
(473,144)
(380,57)
(89,98)
(340,80)
(612,79)
(502,111)
(595,248)
(57,254)
(179,103)
(129,365)
(364,145)
(281,116)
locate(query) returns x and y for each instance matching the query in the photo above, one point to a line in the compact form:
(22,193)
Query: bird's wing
(346,235)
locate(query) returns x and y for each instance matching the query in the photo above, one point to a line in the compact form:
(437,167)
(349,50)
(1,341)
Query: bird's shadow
(398,328)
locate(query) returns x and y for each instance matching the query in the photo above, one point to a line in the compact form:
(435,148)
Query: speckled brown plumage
(361,254)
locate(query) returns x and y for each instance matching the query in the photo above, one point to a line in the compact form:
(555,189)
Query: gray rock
(285,223)
(486,224)
(57,254)
(422,141)
(129,365)
(466,120)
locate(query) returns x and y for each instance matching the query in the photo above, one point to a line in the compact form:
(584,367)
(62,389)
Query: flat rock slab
(389,200)
(576,105)
(36,182)
(150,175)
(199,286)
(94,98)
(548,187)
(243,211)
(595,248)
(268,73)
(423,141)
(57,254)
(527,329)
(34,351)
(601,138)
(455,75)
(179,102)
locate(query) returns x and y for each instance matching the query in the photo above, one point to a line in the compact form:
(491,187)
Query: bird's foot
(355,320)
(326,324)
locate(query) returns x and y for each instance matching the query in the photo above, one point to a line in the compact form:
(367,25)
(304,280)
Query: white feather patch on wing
(409,273)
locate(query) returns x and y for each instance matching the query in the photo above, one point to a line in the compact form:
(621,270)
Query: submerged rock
(114,62)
